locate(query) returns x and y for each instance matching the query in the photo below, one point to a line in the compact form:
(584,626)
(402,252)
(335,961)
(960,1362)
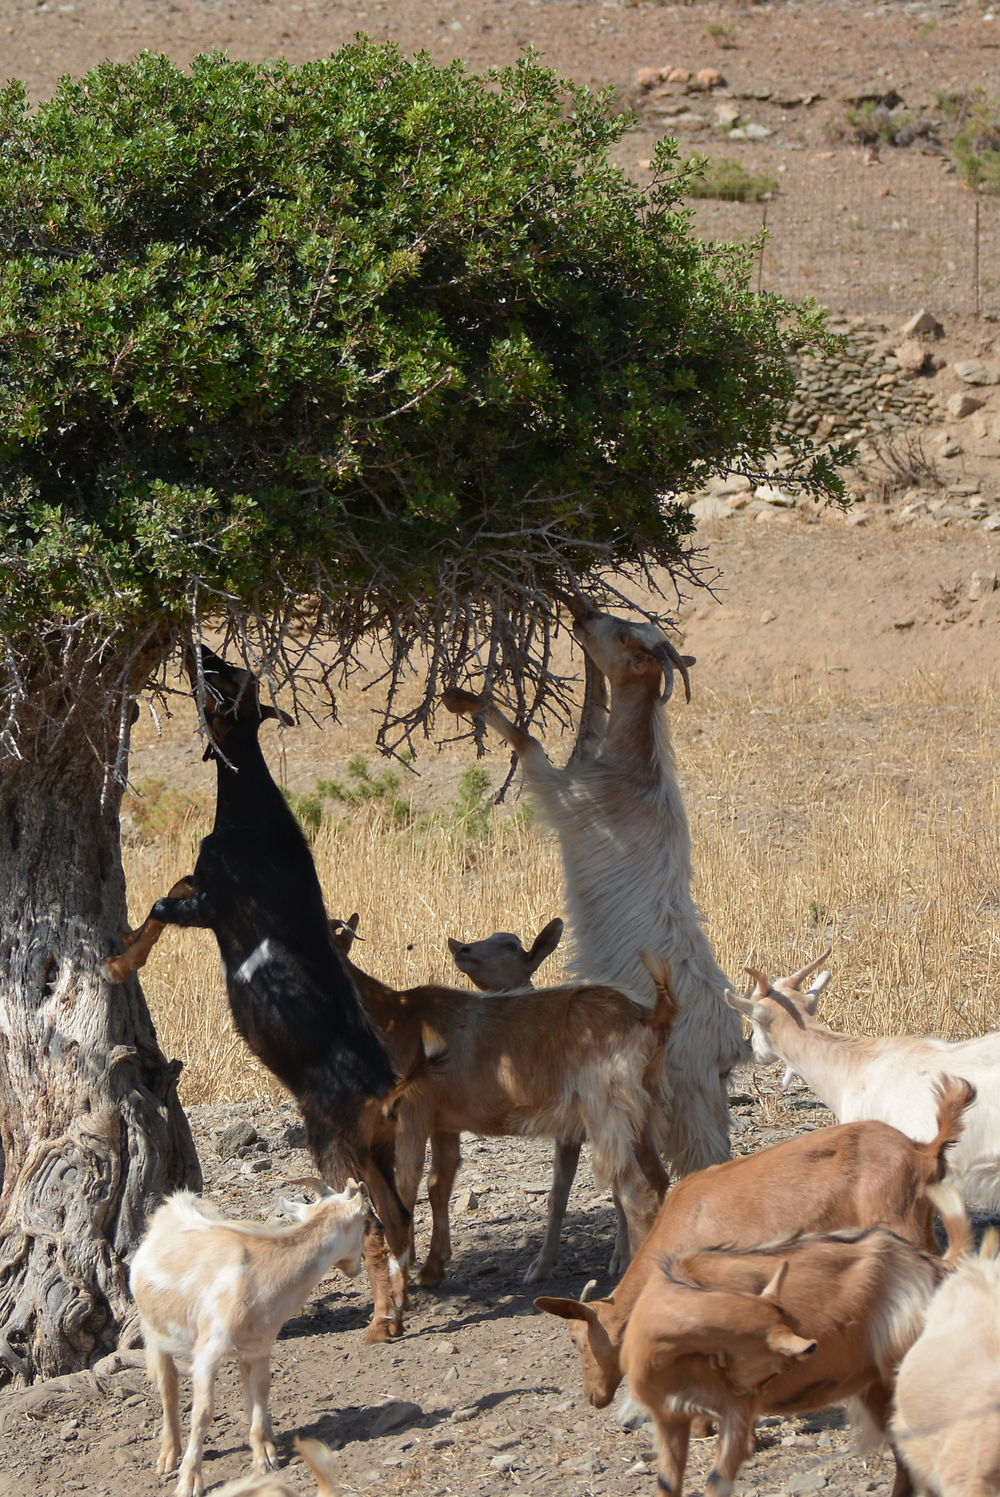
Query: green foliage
(977,146)
(346,329)
(721,177)
(365,789)
(156,809)
(872,123)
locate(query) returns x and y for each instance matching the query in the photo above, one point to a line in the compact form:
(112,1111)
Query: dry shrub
(867,823)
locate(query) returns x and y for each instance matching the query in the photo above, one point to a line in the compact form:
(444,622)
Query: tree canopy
(387,343)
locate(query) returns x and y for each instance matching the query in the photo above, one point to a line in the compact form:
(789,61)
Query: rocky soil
(481,1395)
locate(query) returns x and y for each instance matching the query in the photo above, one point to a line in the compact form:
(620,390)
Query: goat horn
(669,658)
(799,977)
(309,1182)
(763,983)
(588,1290)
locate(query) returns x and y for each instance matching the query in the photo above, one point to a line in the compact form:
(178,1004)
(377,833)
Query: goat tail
(954,1096)
(958,1228)
(663,1015)
(432,1054)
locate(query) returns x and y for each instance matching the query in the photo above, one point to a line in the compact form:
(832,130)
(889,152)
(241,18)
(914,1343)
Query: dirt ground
(482,1395)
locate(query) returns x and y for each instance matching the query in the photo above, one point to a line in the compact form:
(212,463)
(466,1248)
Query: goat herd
(802,1275)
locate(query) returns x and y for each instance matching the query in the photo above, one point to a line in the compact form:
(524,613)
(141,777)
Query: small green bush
(721,177)
(977,148)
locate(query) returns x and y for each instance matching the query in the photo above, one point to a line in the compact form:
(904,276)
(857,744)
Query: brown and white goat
(946,1423)
(206,1287)
(498,964)
(623,831)
(889,1077)
(785,1328)
(567,1062)
(855,1175)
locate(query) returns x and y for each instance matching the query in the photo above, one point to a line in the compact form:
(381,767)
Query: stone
(646,78)
(772,495)
(756,132)
(710,509)
(948,447)
(726,484)
(678,75)
(922,324)
(806,1481)
(256,1166)
(911,356)
(975,372)
(982,583)
(726,115)
(961,405)
(239,1135)
(470,1201)
(768,616)
(393,1415)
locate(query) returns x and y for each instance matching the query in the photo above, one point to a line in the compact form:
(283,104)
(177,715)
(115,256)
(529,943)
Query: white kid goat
(888,1078)
(206,1286)
(626,847)
(946,1424)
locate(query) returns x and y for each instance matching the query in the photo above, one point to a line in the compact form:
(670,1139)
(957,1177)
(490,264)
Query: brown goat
(792,1326)
(854,1175)
(566,1062)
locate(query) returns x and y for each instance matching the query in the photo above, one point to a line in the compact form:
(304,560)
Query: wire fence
(880,240)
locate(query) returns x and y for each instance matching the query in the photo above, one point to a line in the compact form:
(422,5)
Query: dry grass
(869,824)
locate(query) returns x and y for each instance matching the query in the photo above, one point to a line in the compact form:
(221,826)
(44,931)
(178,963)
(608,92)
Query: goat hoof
(383,1329)
(538,1272)
(430,1276)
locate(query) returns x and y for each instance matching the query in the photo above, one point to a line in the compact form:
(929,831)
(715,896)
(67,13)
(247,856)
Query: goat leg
(446,1157)
(140,942)
(565,1160)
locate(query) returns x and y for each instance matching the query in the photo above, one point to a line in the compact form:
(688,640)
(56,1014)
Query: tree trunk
(91,1129)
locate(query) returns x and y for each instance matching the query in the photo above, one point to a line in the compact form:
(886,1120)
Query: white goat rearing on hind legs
(888,1078)
(626,846)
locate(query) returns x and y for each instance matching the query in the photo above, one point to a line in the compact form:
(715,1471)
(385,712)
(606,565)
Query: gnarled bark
(91,1129)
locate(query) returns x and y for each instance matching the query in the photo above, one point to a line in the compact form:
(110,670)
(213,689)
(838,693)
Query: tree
(358,349)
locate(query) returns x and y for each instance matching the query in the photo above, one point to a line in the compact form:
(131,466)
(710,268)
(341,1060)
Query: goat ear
(294,1209)
(546,941)
(453,945)
(268,711)
(740,1004)
(773,1289)
(783,1340)
(815,991)
(565,1309)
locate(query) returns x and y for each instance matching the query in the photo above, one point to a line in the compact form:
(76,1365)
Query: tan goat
(854,1175)
(317,1456)
(206,1287)
(946,1423)
(792,1326)
(566,1062)
(498,964)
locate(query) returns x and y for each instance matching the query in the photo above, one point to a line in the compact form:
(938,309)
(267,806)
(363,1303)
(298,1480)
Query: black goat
(255,885)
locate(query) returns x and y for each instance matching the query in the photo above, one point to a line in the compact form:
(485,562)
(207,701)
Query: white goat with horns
(619,815)
(889,1077)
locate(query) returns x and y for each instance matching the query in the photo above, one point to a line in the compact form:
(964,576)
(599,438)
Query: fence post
(975,257)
